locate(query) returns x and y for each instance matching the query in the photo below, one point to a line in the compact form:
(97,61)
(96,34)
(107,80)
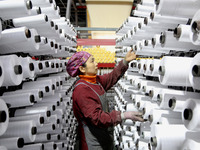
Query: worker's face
(91,67)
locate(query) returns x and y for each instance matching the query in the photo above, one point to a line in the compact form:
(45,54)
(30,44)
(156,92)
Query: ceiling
(78,15)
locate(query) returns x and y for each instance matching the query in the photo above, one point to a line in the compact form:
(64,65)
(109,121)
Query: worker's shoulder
(81,84)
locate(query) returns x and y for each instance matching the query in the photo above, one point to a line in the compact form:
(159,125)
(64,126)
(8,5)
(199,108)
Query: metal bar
(68,10)
(95,29)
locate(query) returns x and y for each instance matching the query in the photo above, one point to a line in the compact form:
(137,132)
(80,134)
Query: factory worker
(90,105)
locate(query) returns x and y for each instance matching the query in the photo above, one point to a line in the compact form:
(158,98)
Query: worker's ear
(82,69)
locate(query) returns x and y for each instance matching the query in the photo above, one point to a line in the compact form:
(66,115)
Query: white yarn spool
(162,135)
(194,72)
(140,66)
(44,28)
(168,40)
(46,87)
(130,107)
(146,135)
(30,21)
(134,78)
(60,20)
(48,79)
(149,53)
(141,145)
(177,100)
(15,35)
(154,66)
(44,111)
(133,65)
(60,145)
(42,137)
(51,105)
(2,73)
(153,92)
(19,100)
(176,105)
(55,80)
(54,67)
(190,144)
(55,137)
(64,63)
(156,41)
(183,33)
(13,71)
(184,8)
(163,99)
(160,26)
(144,126)
(156,114)
(9,10)
(147,108)
(195,28)
(38,94)
(157,45)
(61,54)
(147,2)
(140,13)
(63,77)
(145,8)
(143,84)
(146,67)
(172,72)
(42,3)
(190,114)
(33,44)
(137,98)
(46,128)
(53,119)
(35,11)
(63,25)
(169,121)
(38,146)
(12,142)
(28,67)
(25,129)
(59,112)
(37,118)
(46,48)
(0,28)
(134,20)
(168,19)
(52,11)
(141,34)
(50,145)
(4,117)
(27,44)
(142,103)
(38,66)
(3,148)
(149,26)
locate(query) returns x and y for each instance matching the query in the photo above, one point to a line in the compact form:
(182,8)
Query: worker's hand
(130,56)
(133,115)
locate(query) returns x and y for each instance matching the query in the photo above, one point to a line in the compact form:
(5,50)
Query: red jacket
(87,105)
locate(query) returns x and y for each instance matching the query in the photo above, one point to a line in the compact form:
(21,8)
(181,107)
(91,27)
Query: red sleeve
(87,107)
(108,80)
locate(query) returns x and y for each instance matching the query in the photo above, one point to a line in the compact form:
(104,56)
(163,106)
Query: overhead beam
(81,42)
(94,29)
